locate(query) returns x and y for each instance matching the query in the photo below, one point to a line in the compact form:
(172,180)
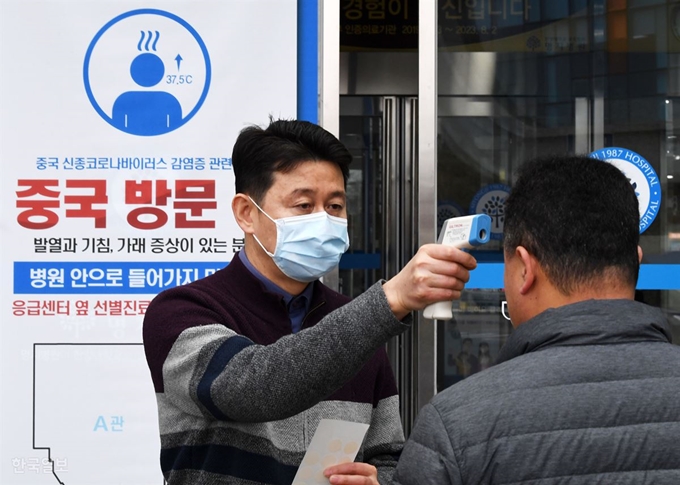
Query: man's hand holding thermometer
(437,272)
(465,232)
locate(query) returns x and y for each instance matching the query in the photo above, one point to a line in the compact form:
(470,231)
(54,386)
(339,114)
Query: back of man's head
(260,152)
(579,218)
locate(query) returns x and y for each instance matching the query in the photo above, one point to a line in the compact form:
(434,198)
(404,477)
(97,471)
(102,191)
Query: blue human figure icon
(147,113)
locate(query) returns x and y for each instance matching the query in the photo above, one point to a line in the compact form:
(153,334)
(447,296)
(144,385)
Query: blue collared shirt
(297,306)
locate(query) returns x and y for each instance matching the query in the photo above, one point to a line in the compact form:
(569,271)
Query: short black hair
(578,216)
(260,152)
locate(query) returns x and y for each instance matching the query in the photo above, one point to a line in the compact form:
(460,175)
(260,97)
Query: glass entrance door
(532,78)
(516,79)
(379,131)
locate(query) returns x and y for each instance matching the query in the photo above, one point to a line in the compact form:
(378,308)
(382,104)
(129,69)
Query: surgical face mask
(307,246)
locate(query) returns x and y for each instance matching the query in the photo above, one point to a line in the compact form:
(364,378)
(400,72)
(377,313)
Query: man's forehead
(290,183)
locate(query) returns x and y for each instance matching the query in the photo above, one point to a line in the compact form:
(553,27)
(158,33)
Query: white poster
(117,124)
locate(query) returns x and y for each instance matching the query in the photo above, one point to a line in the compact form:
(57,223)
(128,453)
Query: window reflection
(576,77)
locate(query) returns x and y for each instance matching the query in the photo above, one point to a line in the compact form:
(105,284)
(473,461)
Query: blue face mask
(307,246)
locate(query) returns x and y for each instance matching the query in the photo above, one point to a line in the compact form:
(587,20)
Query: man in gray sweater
(246,362)
(587,387)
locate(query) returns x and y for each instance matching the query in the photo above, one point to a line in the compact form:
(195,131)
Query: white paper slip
(333,442)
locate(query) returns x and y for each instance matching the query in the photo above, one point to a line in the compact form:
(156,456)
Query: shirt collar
(306,295)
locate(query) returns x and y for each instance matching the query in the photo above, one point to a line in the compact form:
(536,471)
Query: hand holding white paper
(465,232)
(334,442)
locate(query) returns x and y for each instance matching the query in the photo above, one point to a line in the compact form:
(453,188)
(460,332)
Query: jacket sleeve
(385,437)
(211,371)
(428,457)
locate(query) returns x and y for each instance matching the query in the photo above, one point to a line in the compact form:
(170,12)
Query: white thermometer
(465,232)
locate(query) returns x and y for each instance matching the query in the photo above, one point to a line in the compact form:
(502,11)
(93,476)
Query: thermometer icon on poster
(465,232)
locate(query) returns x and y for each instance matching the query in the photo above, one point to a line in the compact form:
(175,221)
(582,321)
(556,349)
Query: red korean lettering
(196,196)
(145,192)
(86,202)
(38,208)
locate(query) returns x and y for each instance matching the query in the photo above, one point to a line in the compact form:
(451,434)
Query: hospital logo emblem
(642,177)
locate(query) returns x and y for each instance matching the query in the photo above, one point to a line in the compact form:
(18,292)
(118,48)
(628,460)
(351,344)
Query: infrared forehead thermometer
(465,232)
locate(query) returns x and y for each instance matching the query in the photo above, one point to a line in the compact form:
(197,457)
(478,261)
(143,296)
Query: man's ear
(640,255)
(529,269)
(243,212)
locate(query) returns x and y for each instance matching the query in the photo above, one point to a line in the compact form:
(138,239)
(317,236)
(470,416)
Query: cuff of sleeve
(407,320)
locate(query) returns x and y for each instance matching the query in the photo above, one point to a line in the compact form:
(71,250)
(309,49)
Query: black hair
(259,153)
(579,217)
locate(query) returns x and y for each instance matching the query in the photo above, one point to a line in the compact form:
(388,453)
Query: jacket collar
(590,322)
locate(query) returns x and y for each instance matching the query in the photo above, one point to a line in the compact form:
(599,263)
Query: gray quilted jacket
(588,393)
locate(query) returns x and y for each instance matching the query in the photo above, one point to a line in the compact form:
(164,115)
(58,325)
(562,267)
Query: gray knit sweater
(239,396)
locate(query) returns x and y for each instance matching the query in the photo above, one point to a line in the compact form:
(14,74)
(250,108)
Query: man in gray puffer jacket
(587,387)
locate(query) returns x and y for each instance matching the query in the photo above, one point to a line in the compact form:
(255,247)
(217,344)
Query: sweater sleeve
(428,457)
(214,372)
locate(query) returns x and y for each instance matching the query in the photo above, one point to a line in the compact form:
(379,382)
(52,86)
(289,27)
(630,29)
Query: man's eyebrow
(308,191)
(302,191)
(338,193)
